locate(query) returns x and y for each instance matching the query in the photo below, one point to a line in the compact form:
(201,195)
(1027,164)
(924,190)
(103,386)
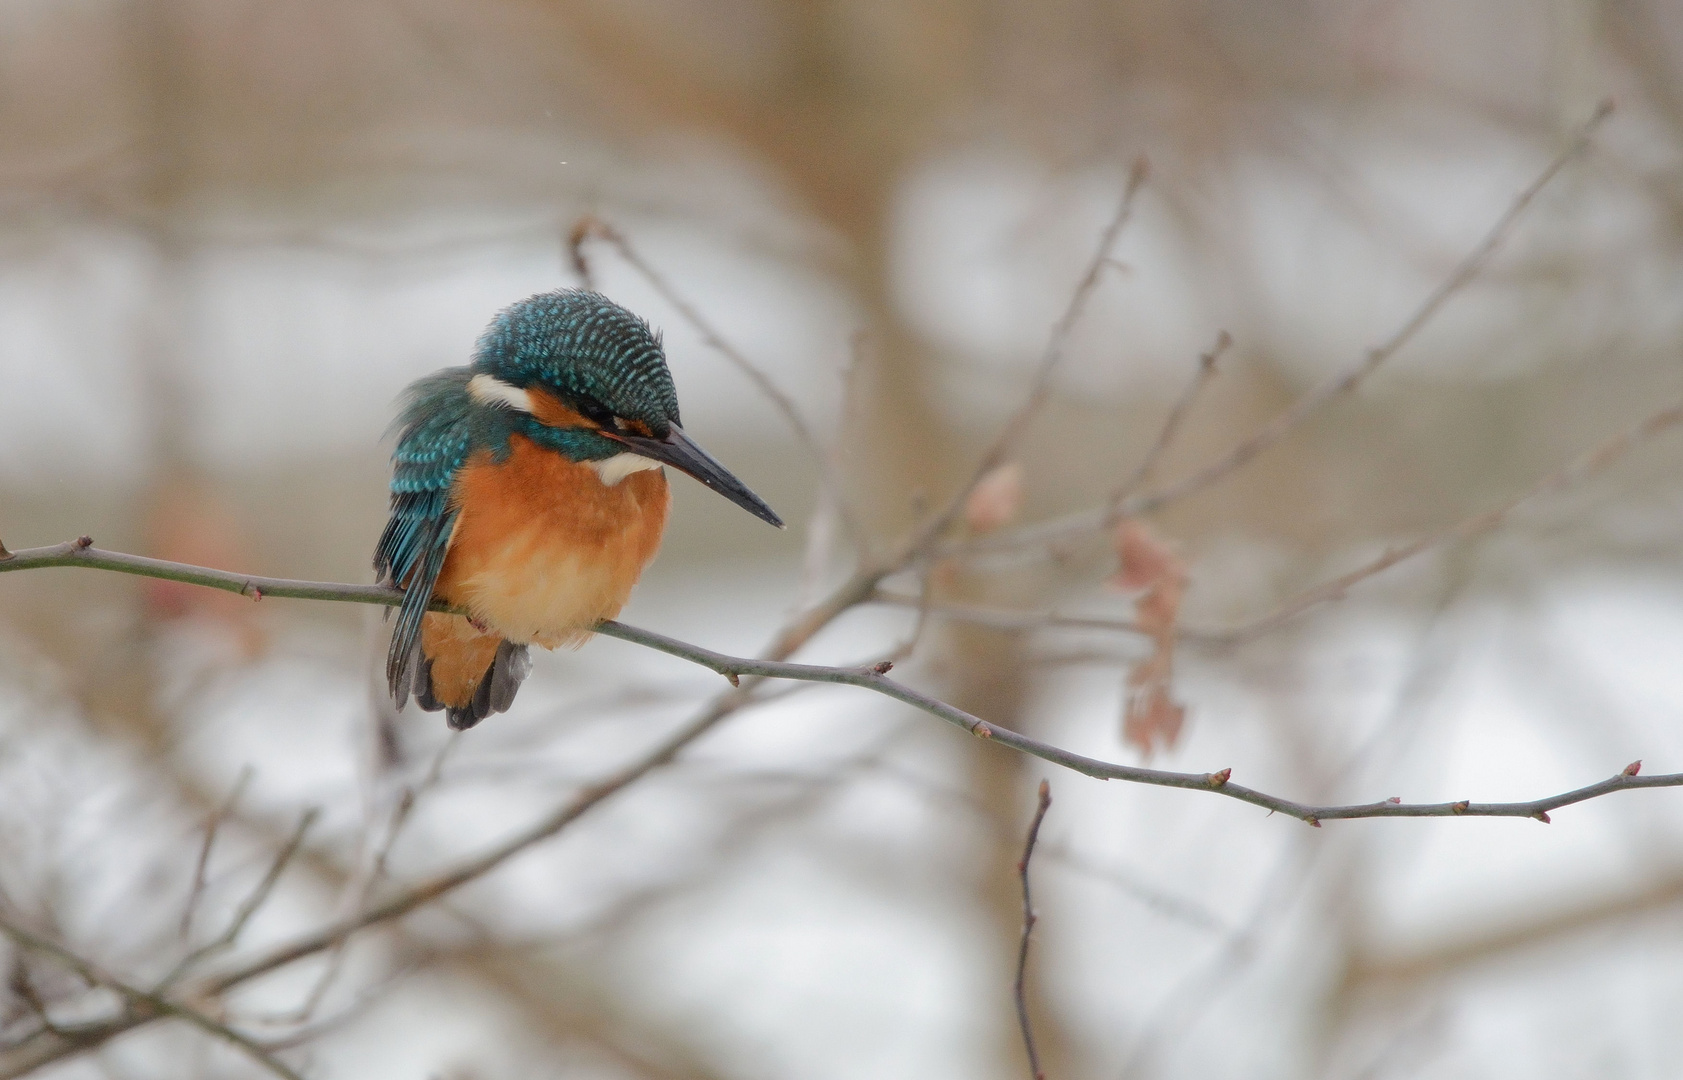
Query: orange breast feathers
(543,549)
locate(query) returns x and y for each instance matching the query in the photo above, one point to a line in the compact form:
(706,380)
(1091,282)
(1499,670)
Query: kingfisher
(528,490)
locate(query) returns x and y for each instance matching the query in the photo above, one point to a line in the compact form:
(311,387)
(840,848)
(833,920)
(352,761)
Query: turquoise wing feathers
(435,437)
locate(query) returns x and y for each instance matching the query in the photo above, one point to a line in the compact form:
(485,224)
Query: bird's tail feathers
(467,673)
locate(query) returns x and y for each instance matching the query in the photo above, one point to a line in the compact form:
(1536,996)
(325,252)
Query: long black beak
(680,451)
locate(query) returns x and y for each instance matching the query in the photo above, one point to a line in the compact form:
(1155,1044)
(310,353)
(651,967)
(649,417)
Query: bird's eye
(596,412)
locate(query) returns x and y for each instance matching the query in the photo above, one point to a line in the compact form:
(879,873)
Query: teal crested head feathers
(586,349)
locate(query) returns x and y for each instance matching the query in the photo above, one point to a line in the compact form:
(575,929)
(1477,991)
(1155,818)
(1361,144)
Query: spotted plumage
(526,489)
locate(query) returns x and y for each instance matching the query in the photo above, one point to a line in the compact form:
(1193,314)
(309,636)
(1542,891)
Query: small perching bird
(527,489)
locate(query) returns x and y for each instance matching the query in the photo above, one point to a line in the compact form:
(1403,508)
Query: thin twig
(1029,919)
(370,879)
(1338,386)
(999,618)
(1171,426)
(1580,468)
(1463,274)
(1051,357)
(249,907)
(142,1004)
(212,827)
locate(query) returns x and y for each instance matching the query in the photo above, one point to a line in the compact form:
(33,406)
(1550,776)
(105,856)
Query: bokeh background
(230,233)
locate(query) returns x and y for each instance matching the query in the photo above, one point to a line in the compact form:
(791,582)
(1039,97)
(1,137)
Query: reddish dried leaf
(996,498)
(1145,560)
(1158,610)
(1150,717)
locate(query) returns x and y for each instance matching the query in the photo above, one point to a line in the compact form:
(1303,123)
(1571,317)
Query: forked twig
(1051,357)
(248,907)
(212,827)
(1294,415)
(1171,426)
(140,1005)
(1586,465)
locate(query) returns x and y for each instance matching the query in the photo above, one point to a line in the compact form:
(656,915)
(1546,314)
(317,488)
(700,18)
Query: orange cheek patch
(548,410)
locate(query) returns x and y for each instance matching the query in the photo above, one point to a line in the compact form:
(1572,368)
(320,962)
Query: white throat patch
(613,470)
(490,390)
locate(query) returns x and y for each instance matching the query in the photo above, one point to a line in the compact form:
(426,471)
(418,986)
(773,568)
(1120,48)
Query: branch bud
(1218,779)
(1395,800)
(883,667)
(1633,768)
(982,731)
(1542,815)
(732,677)
(1459,807)
(82,543)
(1313,821)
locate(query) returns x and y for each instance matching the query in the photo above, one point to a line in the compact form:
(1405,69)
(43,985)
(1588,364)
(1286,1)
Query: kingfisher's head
(592,378)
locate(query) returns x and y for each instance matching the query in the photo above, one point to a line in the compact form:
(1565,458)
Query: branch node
(1633,768)
(1459,807)
(82,543)
(4,554)
(1217,779)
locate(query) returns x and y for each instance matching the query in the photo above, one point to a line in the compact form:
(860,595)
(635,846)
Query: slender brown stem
(1029,919)
(1171,425)
(202,865)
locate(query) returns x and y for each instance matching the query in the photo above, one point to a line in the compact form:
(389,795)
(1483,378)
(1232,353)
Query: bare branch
(1051,356)
(1300,410)
(873,678)
(212,827)
(999,618)
(249,907)
(1029,919)
(1171,426)
(363,888)
(141,1006)
(1577,470)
